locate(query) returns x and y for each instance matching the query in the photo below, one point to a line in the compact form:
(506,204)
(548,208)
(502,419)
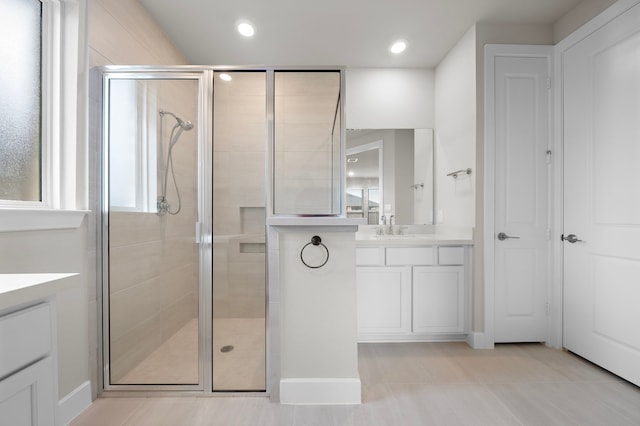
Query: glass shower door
(239,278)
(151,208)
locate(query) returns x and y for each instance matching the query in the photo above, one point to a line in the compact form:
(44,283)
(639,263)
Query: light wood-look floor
(419,384)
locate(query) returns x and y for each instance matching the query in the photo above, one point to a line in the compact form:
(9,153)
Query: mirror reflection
(390,175)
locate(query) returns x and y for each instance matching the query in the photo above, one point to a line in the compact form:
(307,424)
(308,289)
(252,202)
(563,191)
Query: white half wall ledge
(321,391)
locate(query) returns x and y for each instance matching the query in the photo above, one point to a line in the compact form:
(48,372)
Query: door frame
(103,78)
(487,339)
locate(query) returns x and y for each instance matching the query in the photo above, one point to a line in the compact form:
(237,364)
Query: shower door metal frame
(203,226)
(205,75)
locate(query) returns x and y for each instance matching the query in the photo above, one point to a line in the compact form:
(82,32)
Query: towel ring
(316,241)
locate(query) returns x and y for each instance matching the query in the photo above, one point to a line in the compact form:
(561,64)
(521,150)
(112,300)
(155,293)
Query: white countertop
(367,236)
(18,289)
(413,240)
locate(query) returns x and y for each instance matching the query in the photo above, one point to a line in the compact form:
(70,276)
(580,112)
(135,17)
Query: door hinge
(548,234)
(547,308)
(549,83)
(548,156)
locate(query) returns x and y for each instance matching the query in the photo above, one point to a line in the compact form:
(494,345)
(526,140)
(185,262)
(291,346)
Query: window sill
(14,220)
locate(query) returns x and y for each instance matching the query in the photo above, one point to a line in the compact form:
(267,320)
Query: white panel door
(521,207)
(601,108)
(438,299)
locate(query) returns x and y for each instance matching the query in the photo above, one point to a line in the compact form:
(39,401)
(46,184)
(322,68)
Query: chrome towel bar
(457,172)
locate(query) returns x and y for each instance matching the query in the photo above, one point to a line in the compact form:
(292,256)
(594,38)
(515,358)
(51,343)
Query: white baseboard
(321,391)
(480,341)
(74,403)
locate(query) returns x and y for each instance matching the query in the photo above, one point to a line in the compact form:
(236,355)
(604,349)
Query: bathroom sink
(397,237)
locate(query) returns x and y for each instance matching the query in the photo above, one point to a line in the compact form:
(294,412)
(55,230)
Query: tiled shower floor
(176,361)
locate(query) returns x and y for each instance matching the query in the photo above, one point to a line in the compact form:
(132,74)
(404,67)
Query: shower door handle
(202,237)
(198,232)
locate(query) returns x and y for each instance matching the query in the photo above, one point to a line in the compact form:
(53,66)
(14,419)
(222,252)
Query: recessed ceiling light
(398,47)
(352,160)
(245,28)
(351,173)
(225,77)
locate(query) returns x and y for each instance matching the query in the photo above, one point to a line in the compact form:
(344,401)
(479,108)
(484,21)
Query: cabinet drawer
(410,255)
(26,337)
(369,256)
(450,255)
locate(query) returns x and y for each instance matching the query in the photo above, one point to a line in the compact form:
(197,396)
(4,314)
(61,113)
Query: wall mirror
(390,173)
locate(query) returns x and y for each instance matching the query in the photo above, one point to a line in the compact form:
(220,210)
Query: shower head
(185,125)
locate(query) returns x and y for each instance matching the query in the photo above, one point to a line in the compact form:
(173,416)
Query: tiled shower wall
(239,196)
(153,260)
(307,158)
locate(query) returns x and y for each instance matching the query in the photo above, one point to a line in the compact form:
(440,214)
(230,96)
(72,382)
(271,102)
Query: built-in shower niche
(252,220)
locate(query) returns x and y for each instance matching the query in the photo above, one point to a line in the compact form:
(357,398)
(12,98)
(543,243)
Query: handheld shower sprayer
(185,125)
(181,125)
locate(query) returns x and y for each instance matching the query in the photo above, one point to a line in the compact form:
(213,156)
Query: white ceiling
(354,33)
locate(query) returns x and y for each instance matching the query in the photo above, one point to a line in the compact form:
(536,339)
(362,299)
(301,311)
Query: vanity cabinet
(27,368)
(438,299)
(384,299)
(412,293)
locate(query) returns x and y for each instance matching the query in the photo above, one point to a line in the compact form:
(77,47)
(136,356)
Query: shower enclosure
(194,159)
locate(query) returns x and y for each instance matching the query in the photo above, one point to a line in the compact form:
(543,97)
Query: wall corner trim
(480,341)
(315,391)
(74,403)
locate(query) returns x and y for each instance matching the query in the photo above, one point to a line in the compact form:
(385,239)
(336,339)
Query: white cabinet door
(384,299)
(602,196)
(438,299)
(27,397)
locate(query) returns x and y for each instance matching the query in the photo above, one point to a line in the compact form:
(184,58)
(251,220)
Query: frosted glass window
(20,100)
(307,143)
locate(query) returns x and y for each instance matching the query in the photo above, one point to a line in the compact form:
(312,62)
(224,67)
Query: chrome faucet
(392,219)
(383,223)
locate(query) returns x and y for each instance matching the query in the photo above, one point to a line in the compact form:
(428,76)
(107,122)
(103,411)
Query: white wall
(455,133)
(389,98)
(318,313)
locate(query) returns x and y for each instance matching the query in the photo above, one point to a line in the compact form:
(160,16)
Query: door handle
(572,238)
(502,236)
